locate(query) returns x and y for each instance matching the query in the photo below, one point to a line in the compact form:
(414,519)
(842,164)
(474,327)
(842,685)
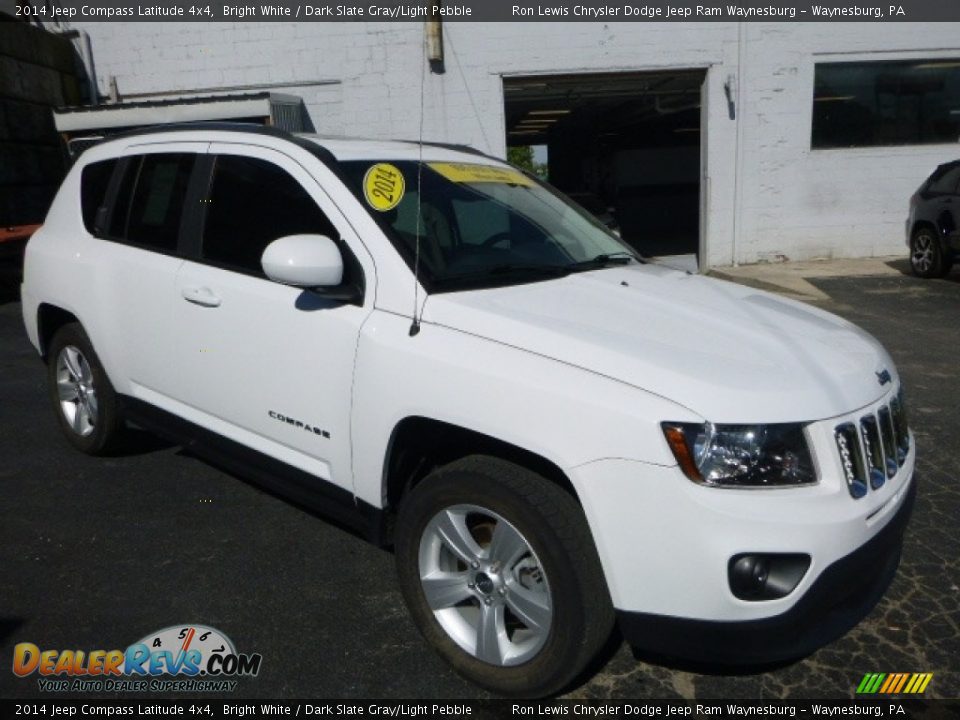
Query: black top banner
(493,11)
(205,707)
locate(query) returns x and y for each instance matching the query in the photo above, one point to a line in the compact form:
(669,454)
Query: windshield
(481,224)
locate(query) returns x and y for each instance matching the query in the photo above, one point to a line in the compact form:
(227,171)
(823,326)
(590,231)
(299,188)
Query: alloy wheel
(76,391)
(922,257)
(485,585)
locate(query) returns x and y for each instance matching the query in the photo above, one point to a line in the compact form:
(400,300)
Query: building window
(864,104)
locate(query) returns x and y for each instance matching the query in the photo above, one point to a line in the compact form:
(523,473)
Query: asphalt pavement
(96,553)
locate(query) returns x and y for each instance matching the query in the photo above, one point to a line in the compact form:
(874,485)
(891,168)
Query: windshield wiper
(605,260)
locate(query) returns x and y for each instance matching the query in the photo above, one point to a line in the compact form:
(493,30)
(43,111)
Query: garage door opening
(627,146)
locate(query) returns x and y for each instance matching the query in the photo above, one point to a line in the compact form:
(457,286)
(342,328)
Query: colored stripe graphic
(894,683)
(900,683)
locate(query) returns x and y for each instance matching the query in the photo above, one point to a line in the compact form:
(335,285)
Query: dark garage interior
(624,145)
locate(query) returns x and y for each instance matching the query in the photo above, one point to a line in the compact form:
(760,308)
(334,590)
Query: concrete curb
(793,278)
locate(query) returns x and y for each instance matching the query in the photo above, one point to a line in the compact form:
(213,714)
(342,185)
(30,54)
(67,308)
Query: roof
(336,148)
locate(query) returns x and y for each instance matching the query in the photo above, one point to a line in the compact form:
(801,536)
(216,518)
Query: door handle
(200,296)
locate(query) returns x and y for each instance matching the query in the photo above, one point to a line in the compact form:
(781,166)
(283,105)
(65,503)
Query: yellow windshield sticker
(471,173)
(383,186)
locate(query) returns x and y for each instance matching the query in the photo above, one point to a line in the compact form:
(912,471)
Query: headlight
(742,455)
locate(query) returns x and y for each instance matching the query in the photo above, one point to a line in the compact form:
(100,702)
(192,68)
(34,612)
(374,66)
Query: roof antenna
(415,325)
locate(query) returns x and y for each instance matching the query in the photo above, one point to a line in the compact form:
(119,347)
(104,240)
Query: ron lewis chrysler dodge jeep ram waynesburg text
(440,350)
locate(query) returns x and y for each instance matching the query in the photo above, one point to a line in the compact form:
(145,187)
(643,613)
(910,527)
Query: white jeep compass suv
(444,353)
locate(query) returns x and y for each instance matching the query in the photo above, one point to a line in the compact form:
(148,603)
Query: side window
(121,204)
(94,181)
(251,203)
(947,182)
(150,201)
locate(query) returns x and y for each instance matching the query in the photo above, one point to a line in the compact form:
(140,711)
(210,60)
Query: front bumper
(842,595)
(667,544)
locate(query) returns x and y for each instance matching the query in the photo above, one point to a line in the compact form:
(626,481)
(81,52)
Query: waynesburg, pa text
(732,12)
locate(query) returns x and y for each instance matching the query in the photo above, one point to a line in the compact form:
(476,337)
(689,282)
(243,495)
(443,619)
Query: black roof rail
(448,146)
(253,128)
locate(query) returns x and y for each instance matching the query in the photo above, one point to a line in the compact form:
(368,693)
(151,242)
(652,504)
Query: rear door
(265,364)
(139,256)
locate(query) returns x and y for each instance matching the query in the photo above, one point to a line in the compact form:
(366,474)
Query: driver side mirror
(307,261)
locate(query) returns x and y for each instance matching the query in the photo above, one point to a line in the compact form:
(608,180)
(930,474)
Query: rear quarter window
(150,201)
(94,181)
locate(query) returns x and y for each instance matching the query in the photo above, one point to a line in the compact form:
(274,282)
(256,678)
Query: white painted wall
(803,203)
(776,196)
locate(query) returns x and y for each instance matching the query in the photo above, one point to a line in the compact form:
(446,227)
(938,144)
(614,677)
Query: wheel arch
(420,444)
(50,318)
(921,224)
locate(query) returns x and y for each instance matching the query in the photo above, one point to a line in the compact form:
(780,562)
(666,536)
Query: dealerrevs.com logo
(180,658)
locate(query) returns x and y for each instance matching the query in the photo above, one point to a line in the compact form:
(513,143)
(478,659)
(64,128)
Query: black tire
(927,256)
(102,432)
(561,549)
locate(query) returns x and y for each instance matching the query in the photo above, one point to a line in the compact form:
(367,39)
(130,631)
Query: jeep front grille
(873,448)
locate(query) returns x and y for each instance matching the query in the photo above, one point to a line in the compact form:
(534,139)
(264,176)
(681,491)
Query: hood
(727,352)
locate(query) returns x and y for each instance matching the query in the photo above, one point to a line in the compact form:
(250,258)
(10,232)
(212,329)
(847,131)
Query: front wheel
(498,568)
(927,259)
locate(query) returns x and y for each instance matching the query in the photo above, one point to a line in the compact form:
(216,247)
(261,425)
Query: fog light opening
(766,576)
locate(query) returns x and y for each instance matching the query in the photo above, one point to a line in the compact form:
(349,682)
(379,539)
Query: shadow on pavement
(9,286)
(902,266)
(709,668)
(142,442)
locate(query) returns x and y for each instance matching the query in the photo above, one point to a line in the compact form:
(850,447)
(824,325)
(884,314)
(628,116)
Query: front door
(265,364)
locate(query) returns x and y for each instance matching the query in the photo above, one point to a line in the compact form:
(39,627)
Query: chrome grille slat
(870,432)
(899,413)
(873,448)
(889,444)
(851,457)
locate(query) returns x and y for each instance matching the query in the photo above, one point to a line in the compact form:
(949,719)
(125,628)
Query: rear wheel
(83,398)
(498,568)
(927,259)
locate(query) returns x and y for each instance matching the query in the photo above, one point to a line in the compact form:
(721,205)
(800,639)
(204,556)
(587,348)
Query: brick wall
(769,196)
(803,203)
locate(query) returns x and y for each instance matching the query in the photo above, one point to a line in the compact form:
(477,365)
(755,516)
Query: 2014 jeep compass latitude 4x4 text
(441,351)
